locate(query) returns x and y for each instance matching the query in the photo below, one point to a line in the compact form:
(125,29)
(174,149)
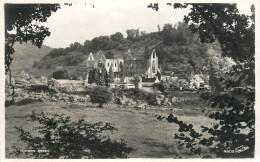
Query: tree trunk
(10,82)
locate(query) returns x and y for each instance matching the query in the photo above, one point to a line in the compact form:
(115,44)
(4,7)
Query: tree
(91,76)
(217,67)
(159,75)
(102,43)
(169,34)
(76,47)
(66,139)
(80,73)
(192,63)
(183,34)
(57,52)
(24,20)
(179,34)
(147,52)
(87,46)
(100,95)
(136,79)
(222,22)
(132,33)
(74,58)
(117,37)
(162,87)
(167,27)
(110,76)
(110,55)
(98,75)
(161,53)
(121,66)
(60,74)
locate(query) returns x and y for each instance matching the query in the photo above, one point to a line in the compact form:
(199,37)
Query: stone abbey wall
(132,67)
(147,67)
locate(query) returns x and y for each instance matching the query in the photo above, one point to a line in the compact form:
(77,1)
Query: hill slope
(25,55)
(174,46)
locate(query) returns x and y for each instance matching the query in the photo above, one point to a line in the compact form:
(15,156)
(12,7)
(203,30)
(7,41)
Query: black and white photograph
(129,79)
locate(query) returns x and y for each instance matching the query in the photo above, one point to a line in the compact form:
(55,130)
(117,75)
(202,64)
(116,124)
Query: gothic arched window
(153,67)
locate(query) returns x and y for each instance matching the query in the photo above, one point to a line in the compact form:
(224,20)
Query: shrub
(9,103)
(100,95)
(22,102)
(138,94)
(88,90)
(161,86)
(74,58)
(27,101)
(60,74)
(35,64)
(40,88)
(66,89)
(135,94)
(79,74)
(118,92)
(22,75)
(66,139)
(34,81)
(57,53)
(81,93)
(151,99)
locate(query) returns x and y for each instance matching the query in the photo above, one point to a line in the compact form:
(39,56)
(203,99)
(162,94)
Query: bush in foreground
(62,138)
(232,136)
(100,95)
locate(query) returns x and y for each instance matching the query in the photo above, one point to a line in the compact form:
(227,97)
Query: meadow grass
(139,128)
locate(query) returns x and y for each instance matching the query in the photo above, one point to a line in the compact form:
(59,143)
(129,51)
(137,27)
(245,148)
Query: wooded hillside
(175,45)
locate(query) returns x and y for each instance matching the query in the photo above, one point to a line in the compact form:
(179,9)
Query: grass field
(139,128)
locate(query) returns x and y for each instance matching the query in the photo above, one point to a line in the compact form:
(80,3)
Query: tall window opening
(153,67)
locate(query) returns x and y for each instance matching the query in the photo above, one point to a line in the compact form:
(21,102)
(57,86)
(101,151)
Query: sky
(82,21)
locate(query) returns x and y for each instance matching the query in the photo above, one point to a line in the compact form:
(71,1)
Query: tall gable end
(100,55)
(90,57)
(154,54)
